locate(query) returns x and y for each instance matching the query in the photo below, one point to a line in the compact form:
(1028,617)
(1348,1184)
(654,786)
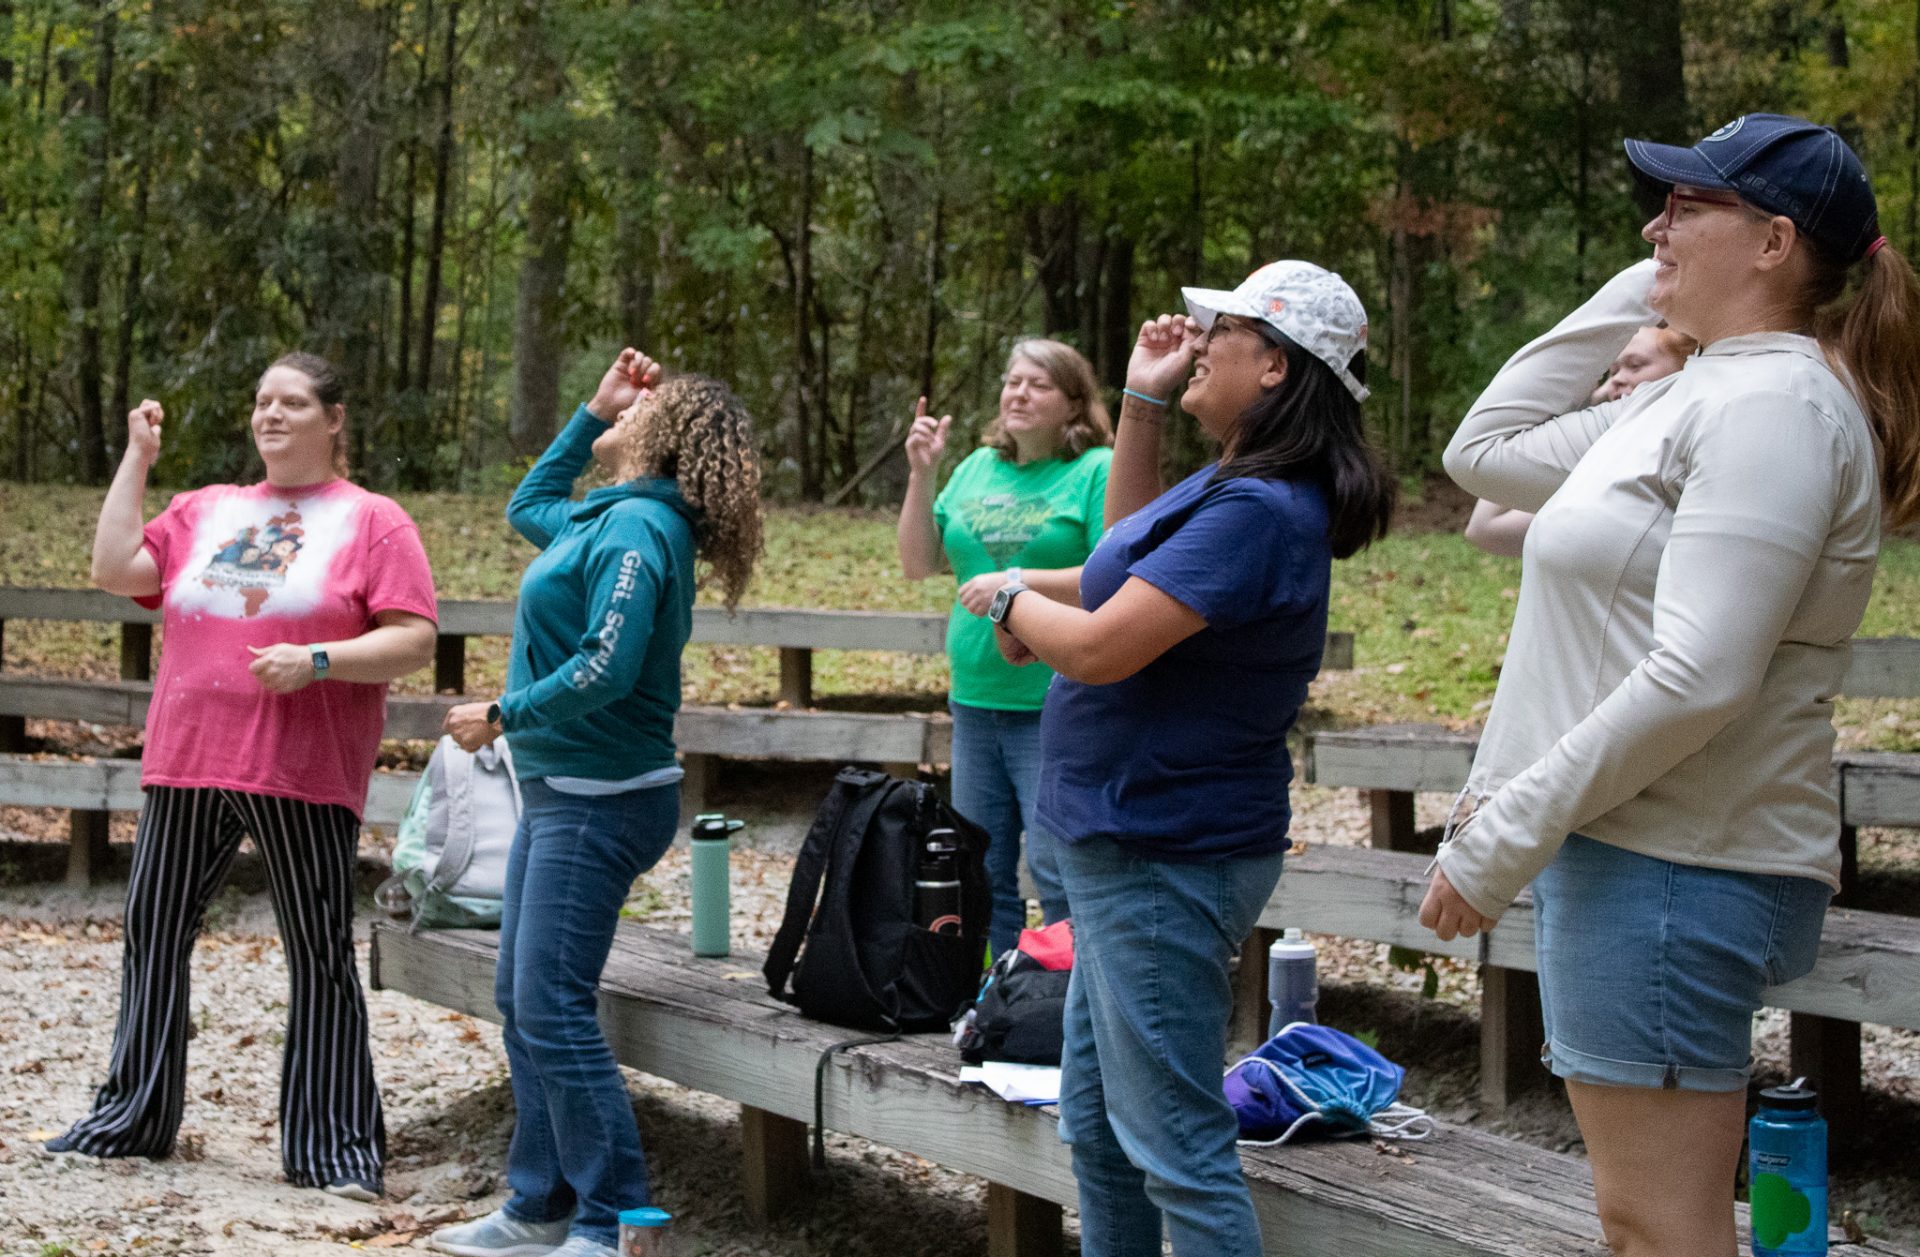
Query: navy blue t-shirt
(1187,759)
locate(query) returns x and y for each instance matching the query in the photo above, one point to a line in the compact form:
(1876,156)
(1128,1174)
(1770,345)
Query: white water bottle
(1293,983)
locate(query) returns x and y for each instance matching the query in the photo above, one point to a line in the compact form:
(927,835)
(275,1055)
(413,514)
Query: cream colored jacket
(1703,554)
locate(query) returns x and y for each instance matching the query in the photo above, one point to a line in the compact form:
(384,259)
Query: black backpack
(866,963)
(1020,1014)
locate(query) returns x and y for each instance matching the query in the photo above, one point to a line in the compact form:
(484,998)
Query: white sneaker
(581,1246)
(498,1235)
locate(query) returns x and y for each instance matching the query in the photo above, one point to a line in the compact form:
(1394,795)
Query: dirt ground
(449,1111)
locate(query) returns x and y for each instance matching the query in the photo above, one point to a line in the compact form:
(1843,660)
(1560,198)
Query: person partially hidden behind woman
(1654,353)
(592,687)
(289,606)
(1658,760)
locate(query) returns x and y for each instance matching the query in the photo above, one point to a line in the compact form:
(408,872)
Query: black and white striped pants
(330,1122)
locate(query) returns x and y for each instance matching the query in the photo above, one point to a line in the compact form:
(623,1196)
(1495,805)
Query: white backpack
(450,860)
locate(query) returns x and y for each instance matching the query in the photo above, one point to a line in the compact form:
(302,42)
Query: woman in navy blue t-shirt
(1163,740)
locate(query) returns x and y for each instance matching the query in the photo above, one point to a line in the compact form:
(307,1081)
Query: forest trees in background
(836,206)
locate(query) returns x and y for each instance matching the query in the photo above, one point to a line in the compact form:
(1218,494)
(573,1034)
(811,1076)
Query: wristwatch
(320,663)
(1003,600)
(493,714)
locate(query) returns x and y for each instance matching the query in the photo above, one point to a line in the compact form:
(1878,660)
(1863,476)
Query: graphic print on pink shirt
(244,568)
(254,553)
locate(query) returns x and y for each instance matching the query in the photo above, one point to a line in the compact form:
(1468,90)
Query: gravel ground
(449,1111)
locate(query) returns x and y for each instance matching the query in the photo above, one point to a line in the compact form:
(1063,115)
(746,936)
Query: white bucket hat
(1310,304)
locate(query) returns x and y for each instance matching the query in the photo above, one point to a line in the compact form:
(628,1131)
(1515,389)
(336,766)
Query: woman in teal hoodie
(592,687)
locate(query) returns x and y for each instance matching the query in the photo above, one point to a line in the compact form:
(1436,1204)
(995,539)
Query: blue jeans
(576,1148)
(1141,1100)
(996,778)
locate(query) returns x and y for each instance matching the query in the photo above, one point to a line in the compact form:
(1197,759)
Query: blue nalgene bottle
(1787,1172)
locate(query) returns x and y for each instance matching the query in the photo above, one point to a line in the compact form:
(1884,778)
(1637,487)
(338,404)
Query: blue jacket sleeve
(628,573)
(543,501)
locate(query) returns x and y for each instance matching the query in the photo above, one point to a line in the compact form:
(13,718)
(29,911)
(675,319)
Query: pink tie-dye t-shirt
(253,565)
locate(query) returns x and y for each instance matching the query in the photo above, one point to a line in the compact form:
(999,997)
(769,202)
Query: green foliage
(833,206)
(1408,960)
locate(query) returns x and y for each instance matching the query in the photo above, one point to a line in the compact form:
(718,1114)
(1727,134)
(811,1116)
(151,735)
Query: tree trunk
(805,409)
(351,71)
(90,265)
(437,227)
(1114,345)
(1053,238)
(539,342)
(1652,69)
(132,307)
(634,234)
(936,269)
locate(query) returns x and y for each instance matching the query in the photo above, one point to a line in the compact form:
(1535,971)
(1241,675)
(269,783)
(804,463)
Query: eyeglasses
(1675,198)
(1227,323)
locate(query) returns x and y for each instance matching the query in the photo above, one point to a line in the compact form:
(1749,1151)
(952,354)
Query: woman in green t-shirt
(1027,504)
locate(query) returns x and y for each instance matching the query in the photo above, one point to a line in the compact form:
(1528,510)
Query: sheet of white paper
(1020,1084)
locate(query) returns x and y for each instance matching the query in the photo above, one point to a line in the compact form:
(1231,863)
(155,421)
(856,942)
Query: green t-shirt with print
(995,514)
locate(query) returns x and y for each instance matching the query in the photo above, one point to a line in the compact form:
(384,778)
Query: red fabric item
(1052,946)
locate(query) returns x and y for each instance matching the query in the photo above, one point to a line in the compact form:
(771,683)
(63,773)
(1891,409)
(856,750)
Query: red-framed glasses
(1676,197)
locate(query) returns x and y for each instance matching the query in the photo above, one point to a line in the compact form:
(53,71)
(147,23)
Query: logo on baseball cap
(1310,305)
(1784,165)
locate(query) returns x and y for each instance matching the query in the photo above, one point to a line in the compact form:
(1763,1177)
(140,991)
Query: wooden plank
(796,676)
(1019,1225)
(763,733)
(1879,788)
(1868,968)
(1827,1052)
(773,1163)
(1391,823)
(1247,1025)
(87,847)
(1511,1032)
(1392,757)
(910,632)
(450,663)
(113,785)
(1884,667)
(97,605)
(1338,656)
(738,732)
(136,652)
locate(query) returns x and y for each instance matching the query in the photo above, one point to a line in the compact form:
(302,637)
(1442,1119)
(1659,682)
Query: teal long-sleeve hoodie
(605,610)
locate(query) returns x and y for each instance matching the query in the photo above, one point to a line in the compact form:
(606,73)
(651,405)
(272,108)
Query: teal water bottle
(1787,1172)
(712,894)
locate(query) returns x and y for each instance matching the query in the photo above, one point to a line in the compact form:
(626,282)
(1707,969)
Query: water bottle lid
(1290,946)
(645,1217)
(1795,1096)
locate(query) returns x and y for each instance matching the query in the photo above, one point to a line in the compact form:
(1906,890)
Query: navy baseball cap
(1786,166)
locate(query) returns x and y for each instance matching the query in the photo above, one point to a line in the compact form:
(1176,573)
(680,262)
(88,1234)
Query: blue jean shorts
(1651,971)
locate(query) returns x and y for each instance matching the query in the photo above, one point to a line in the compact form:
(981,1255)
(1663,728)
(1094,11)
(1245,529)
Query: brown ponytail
(1875,339)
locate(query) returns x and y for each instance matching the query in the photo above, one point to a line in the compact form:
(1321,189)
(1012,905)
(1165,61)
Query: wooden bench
(699,1024)
(90,790)
(795,632)
(1393,762)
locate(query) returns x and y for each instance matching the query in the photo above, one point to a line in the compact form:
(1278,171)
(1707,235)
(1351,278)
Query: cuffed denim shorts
(1651,971)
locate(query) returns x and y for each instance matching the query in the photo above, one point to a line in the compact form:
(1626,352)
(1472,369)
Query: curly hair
(696,432)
